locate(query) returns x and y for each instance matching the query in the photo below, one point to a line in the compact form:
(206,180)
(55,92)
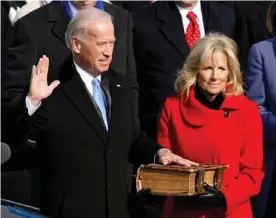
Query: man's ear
(76,45)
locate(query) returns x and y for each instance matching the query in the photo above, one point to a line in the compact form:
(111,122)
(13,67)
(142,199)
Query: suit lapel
(75,90)
(172,27)
(60,19)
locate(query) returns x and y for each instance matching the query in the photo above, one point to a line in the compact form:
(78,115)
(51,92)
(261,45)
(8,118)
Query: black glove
(214,198)
(148,200)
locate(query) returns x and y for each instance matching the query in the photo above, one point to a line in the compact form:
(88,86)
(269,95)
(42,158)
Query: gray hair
(78,24)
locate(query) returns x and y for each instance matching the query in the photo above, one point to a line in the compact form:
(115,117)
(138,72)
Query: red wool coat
(203,135)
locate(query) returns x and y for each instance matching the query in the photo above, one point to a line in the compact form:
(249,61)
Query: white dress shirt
(186,21)
(86,78)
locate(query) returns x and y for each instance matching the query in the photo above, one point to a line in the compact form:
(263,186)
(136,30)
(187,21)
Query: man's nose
(108,50)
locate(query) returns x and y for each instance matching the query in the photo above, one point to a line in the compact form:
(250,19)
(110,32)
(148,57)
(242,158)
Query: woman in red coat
(211,121)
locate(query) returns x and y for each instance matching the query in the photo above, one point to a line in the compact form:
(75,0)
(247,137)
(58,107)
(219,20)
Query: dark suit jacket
(6,33)
(131,5)
(160,51)
(84,167)
(251,26)
(42,32)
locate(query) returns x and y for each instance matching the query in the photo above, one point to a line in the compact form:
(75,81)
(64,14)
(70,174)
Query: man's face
(80,4)
(96,47)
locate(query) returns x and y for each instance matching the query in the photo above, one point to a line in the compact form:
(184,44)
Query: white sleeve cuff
(160,150)
(154,159)
(31,109)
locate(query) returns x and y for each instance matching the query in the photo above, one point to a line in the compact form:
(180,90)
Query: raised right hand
(39,88)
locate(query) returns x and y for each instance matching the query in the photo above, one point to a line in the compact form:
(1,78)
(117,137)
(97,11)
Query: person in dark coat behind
(250,26)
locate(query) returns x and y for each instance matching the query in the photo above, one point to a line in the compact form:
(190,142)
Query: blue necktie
(100,99)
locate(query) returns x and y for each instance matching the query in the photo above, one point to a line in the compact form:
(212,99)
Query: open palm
(39,88)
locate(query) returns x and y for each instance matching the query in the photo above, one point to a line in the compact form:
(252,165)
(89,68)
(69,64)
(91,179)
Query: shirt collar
(86,77)
(196,10)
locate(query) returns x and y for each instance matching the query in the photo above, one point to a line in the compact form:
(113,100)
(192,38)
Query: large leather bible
(175,180)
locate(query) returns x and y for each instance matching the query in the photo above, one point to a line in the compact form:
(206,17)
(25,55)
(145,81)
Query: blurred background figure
(261,83)
(31,6)
(12,7)
(27,8)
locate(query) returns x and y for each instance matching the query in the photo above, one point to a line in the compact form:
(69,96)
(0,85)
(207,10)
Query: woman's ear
(76,45)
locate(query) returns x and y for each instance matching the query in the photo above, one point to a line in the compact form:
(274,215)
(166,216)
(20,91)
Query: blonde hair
(213,43)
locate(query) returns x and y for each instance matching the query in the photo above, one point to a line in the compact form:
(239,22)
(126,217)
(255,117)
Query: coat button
(110,187)
(226,114)
(109,151)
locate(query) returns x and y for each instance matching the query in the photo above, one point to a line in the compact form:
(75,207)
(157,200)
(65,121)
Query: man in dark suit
(41,32)
(160,47)
(85,125)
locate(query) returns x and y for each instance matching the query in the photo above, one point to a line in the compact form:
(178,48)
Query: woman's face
(213,75)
